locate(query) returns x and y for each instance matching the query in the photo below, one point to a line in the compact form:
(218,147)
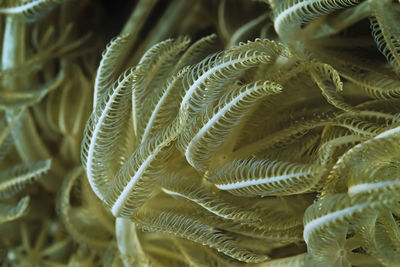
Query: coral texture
(214,133)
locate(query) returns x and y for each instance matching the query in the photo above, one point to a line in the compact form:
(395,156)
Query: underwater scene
(255,133)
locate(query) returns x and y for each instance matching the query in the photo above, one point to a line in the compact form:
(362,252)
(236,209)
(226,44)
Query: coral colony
(200,133)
